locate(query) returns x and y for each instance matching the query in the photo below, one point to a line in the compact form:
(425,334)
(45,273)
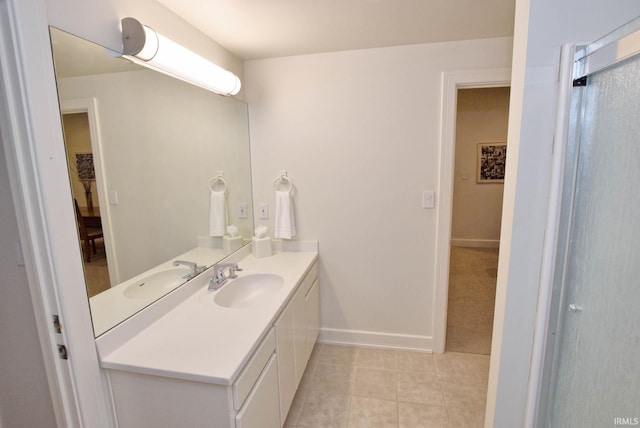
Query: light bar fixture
(144,46)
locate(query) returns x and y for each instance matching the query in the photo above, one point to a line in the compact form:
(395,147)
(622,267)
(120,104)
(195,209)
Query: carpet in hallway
(472,293)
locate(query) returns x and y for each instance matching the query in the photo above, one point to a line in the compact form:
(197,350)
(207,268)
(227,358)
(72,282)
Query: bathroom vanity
(229,358)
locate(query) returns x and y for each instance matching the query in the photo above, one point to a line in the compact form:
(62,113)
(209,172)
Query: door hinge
(62,352)
(56,324)
(581,81)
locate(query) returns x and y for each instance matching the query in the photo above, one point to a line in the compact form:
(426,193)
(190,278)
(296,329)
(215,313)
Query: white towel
(218,214)
(285,221)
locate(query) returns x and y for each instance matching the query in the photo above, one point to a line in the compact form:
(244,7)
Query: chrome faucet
(195,269)
(219,278)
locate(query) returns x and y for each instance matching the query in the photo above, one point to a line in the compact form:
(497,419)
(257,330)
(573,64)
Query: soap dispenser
(260,243)
(231,241)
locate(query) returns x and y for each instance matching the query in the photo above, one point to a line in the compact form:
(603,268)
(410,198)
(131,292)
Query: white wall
(24,393)
(482,117)
(358,133)
(542,26)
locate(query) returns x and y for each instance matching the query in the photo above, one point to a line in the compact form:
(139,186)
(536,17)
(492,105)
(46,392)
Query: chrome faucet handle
(214,283)
(233,270)
(219,279)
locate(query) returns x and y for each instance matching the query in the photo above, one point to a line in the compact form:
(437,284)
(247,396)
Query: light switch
(264,211)
(113,197)
(428,199)
(465,175)
(242,213)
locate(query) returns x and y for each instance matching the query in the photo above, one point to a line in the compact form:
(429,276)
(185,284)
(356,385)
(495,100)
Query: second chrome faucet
(195,269)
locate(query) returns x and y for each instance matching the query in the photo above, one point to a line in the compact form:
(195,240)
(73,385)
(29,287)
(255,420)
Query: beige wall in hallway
(482,117)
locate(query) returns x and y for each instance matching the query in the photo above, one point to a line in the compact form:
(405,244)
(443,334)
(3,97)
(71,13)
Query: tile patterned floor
(348,387)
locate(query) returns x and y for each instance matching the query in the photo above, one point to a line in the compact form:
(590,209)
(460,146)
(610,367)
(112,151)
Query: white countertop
(201,341)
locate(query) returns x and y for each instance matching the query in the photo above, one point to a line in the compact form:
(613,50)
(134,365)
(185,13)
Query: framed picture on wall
(84,165)
(492,158)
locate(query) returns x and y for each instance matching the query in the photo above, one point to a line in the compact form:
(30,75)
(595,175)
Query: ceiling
(255,29)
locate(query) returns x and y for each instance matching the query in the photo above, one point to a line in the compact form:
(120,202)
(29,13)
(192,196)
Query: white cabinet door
(261,410)
(312,308)
(299,333)
(297,326)
(286,359)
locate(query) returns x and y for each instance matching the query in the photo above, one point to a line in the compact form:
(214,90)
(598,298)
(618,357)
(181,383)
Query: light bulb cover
(142,45)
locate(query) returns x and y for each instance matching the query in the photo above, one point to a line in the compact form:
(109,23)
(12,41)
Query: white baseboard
(476,243)
(372,339)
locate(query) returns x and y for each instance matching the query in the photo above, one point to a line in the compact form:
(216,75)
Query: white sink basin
(248,290)
(157,284)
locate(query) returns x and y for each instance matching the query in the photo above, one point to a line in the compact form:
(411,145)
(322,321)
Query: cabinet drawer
(261,410)
(252,370)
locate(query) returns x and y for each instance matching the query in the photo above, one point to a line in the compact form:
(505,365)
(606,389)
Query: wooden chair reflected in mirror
(90,229)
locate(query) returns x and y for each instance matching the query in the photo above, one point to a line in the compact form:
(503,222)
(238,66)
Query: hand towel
(218,214)
(285,221)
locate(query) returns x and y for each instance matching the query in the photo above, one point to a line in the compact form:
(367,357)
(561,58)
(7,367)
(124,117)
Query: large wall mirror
(148,155)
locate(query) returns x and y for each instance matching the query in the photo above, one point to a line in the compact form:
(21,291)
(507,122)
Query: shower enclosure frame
(577,63)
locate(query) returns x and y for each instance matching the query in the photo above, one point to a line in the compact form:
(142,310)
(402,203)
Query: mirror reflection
(151,159)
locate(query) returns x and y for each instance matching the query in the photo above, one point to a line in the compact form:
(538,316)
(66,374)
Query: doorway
(478,182)
(453,81)
(82,176)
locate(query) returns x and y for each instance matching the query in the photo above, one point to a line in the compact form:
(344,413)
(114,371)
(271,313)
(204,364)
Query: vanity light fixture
(144,46)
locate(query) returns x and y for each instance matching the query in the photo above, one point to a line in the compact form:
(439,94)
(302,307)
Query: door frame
(547,296)
(90,107)
(37,167)
(451,82)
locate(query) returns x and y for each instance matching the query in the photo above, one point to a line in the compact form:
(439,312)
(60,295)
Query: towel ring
(283,179)
(215,184)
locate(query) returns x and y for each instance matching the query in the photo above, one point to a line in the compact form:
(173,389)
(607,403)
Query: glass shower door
(595,375)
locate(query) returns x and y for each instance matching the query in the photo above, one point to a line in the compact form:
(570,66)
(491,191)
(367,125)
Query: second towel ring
(218,184)
(283,179)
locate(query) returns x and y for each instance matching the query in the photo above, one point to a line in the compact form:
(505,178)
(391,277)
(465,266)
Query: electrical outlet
(264,211)
(242,213)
